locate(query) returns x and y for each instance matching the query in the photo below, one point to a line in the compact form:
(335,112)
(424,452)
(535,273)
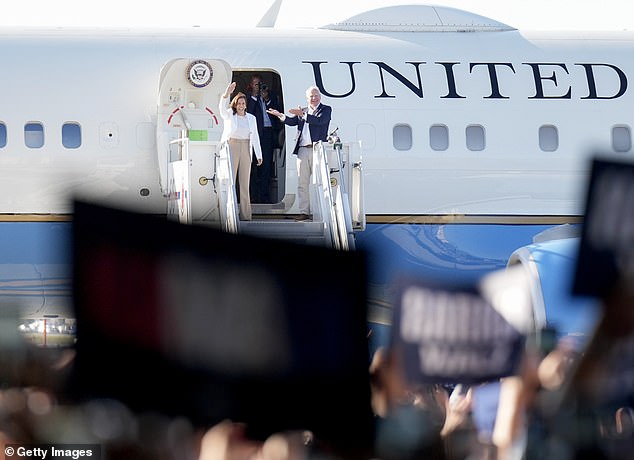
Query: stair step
(282,228)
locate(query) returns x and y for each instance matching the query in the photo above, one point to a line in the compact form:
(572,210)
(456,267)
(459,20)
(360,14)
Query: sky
(522,14)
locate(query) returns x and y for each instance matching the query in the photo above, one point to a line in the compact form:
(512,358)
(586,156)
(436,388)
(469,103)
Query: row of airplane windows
(402,138)
(548,137)
(34,135)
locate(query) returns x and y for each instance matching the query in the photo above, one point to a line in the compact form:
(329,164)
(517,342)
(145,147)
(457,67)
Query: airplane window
(402,137)
(438,137)
(548,138)
(475,137)
(34,135)
(71,135)
(3,135)
(621,139)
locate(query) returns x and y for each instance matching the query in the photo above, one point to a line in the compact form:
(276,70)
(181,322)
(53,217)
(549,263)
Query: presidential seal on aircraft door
(199,73)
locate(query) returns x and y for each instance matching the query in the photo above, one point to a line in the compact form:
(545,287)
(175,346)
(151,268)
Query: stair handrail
(339,180)
(225,189)
(330,204)
(175,209)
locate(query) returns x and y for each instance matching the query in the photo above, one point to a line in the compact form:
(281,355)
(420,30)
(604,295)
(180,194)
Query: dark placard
(192,321)
(452,334)
(606,251)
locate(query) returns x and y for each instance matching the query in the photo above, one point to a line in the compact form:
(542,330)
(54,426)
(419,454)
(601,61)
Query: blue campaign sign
(606,252)
(453,335)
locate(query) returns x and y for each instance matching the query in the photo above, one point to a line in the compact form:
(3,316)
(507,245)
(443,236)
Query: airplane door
(188,131)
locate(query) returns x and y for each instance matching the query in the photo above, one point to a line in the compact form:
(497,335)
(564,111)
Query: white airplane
(473,136)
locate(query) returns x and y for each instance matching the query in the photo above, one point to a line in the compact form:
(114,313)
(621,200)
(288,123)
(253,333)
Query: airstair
(196,178)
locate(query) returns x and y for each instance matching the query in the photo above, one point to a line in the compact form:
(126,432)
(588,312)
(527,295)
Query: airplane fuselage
(472,142)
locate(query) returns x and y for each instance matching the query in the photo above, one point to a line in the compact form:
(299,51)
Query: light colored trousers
(241,164)
(304,170)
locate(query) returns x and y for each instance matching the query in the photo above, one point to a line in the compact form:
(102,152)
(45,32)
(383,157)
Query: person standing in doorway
(312,124)
(260,99)
(241,131)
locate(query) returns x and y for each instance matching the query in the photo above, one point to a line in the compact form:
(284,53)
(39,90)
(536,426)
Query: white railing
(225,190)
(336,188)
(354,184)
(178,180)
(346,166)
(180,192)
(331,205)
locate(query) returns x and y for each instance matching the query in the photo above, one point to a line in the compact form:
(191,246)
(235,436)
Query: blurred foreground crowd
(564,403)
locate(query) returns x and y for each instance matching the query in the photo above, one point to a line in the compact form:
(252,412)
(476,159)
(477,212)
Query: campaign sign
(453,335)
(190,321)
(606,251)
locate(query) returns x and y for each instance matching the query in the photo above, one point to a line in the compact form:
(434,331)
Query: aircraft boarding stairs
(205,194)
(194,166)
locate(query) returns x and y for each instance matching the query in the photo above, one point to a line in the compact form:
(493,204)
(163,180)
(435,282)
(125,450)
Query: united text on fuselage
(549,80)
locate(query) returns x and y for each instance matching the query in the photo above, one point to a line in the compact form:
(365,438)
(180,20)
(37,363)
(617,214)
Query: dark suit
(318,123)
(261,175)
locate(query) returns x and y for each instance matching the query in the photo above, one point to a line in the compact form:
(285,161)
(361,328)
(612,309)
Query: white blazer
(231,122)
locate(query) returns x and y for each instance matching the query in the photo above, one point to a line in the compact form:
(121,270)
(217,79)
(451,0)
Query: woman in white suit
(241,131)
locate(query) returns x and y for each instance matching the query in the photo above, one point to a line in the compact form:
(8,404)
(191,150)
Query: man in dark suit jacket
(261,99)
(312,126)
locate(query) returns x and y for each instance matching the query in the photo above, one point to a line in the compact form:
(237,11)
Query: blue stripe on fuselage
(35,243)
(459,251)
(463,252)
